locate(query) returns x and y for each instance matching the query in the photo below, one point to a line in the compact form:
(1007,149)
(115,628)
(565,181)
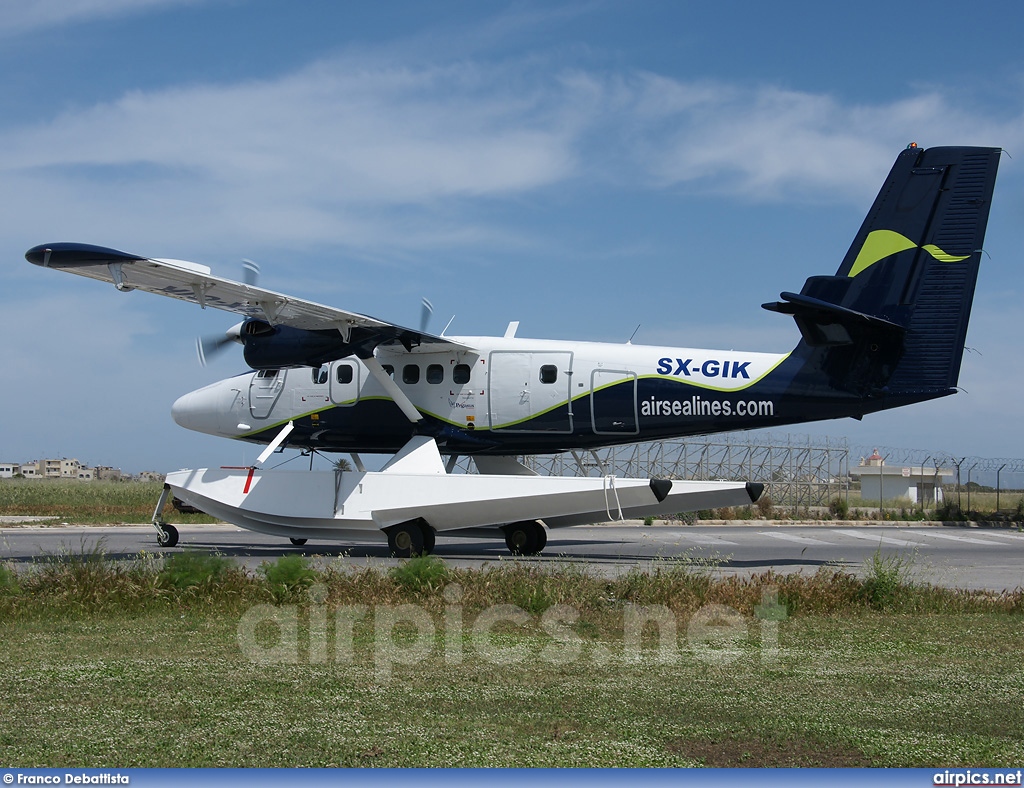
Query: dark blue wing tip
(72,255)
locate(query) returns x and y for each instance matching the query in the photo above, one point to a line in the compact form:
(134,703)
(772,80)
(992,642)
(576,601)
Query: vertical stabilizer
(893,319)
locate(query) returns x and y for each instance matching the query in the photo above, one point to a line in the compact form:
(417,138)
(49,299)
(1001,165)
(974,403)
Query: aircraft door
(613,402)
(264,390)
(530,392)
(345,382)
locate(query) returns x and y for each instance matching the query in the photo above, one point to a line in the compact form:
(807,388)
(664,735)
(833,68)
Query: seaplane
(885,331)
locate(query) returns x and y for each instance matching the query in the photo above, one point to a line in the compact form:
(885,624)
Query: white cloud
(298,151)
(384,158)
(767,143)
(17,16)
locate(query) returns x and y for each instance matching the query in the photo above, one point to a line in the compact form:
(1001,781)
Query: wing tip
(76,255)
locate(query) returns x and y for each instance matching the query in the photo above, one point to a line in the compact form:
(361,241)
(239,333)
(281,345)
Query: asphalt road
(952,556)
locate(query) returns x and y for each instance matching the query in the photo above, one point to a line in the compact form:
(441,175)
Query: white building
(49,469)
(922,484)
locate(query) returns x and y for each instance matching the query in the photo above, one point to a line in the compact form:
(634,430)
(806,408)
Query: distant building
(50,469)
(922,484)
(106,474)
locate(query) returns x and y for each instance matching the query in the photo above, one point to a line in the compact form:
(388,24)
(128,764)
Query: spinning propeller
(296,346)
(428,310)
(210,346)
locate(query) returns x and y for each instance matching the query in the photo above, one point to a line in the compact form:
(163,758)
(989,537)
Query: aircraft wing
(196,283)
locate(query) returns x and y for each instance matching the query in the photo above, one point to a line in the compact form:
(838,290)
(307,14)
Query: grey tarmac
(989,558)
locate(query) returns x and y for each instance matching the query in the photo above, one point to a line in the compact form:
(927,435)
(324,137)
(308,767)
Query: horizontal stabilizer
(825,323)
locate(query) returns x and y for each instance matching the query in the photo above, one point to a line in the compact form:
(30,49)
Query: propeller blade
(428,310)
(208,347)
(250,273)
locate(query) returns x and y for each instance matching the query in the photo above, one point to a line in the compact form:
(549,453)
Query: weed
(949,512)
(839,508)
(649,520)
(190,569)
(421,573)
(88,580)
(288,576)
(886,580)
(8,581)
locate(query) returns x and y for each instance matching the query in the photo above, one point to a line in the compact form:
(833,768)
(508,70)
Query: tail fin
(893,319)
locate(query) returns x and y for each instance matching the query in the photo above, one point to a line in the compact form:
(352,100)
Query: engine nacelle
(274,347)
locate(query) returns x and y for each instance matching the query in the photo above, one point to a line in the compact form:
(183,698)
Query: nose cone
(202,410)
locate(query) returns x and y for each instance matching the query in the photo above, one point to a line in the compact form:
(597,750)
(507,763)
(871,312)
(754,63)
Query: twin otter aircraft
(886,330)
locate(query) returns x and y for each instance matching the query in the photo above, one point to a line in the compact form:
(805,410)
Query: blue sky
(579,167)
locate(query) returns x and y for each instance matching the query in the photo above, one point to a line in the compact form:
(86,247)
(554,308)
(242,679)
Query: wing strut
(401,400)
(286,430)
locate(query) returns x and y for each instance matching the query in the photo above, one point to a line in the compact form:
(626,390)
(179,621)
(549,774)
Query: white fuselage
(508,386)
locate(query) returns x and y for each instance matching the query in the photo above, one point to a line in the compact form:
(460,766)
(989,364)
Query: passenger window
(435,373)
(344,373)
(548,373)
(389,369)
(319,375)
(460,374)
(411,373)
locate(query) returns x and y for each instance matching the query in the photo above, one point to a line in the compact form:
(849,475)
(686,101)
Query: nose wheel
(166,534)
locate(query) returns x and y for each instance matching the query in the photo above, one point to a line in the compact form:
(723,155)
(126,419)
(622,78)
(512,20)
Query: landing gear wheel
(525,538)
(406,539)
(167,536)
(429,538)
(297,542)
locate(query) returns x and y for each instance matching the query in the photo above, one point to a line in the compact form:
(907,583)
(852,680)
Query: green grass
(114,663)
(88,502)
(172,689)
